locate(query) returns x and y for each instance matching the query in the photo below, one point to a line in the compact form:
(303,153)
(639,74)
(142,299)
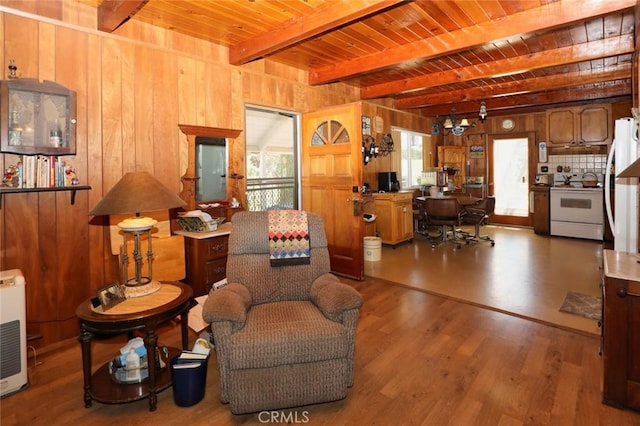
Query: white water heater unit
(13,333)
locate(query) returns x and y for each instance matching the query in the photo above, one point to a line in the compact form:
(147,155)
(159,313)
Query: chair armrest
(230,303)
(333,297)
(475,211)
(474,214)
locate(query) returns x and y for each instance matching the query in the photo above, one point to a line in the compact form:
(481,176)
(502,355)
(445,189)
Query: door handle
(357,202)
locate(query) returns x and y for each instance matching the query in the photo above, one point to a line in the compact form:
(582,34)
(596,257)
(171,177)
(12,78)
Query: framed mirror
(211,169)
(212,145)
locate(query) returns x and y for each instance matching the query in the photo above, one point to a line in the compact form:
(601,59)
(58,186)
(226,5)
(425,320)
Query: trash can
(372,248)
(189,381)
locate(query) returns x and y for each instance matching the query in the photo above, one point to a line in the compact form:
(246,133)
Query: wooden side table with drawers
(206,257)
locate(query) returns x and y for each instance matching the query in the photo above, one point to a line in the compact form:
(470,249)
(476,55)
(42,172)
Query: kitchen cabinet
(541,209)
(453,156)
(394,216)
(595,125)
(583,126)
(206,258)
(620,332)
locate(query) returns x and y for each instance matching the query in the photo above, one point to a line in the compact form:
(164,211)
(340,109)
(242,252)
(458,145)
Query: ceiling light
(448,124)
(483,111)
(454,124)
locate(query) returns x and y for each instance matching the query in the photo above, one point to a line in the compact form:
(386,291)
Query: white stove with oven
(576,211)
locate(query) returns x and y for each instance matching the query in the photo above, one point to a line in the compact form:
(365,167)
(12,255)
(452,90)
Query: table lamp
(137,192)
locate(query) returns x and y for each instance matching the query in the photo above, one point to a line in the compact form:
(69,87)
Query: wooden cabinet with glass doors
(37,117)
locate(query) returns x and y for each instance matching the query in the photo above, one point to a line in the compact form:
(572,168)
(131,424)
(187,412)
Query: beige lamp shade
(137,192)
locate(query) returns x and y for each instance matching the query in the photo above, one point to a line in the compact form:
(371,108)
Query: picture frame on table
(111,295)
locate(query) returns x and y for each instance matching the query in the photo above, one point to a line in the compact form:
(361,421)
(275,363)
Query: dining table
(463,199)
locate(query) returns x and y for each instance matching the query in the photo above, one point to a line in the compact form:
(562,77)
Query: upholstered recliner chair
(284,335)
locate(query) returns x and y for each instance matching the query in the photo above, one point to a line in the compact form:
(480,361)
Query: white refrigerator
(624,222)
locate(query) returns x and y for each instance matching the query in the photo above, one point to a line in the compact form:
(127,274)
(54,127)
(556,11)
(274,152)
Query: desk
(141,313)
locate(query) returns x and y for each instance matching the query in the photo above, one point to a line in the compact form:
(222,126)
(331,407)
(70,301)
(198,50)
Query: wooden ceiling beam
(565,95)
(532,20)
(536,84)
(548,58)
(546,99)
(113,13)
(326,17)
(529,100)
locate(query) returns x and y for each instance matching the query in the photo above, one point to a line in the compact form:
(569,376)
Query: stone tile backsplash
(579,163)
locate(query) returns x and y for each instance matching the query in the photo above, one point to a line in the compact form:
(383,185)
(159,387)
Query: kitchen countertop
(622,265)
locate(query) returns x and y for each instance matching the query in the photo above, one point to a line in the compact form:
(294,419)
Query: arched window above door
(330,132)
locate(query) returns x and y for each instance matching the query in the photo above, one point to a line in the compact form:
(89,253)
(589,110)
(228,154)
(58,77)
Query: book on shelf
(45,171)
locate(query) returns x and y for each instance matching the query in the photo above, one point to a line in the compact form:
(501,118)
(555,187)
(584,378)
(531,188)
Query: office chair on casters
(445,213)
(419,217)
(478,215)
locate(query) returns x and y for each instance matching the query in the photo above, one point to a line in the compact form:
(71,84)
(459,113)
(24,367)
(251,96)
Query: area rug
(583,305)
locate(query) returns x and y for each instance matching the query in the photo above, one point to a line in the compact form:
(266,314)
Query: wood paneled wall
(529,123)
(133,89)
(390,118)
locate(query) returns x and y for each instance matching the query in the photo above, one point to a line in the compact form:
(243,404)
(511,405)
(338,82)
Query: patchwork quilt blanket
(288,238)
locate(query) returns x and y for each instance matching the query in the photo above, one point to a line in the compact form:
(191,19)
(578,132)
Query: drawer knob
(622,292)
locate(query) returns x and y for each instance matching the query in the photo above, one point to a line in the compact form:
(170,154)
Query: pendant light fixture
(456,124)
(483,111)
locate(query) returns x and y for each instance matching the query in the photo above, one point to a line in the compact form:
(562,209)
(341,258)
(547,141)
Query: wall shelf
(73,190)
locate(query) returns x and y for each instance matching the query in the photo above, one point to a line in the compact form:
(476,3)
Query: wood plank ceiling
(426,55)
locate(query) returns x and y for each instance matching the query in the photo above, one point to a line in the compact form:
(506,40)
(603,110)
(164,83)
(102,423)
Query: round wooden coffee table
(141,313)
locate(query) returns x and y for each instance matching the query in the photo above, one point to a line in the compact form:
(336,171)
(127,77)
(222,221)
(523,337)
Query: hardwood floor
(524,274)
(420,359)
